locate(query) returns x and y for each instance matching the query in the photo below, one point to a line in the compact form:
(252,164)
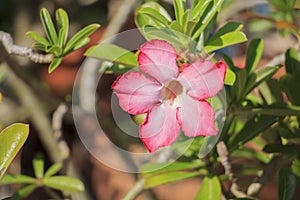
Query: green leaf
(151,169)
(54,64)
(210,189)
(292,62)
(158,8)
(64,183)
(228,61)
(279,148)
(41,47)
(176,26)
(38,38)
(207,16)
(153,13)
(277,110)
(296,167)
(81,44)
(198,9)
(113,53)
(79,36)
(62,20)
(168,177)
(228,28)
(286,185)
(179,8)
(290,86)
(48,26)
(225,41)
(38,165)
(12,139)
(53,169)
(23,192)
(55,50)
(229,77)
(254,54)
(11,179)
(142,21)
(251,129)
(262,75)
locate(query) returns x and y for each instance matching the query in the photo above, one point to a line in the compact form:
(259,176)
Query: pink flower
(170,97)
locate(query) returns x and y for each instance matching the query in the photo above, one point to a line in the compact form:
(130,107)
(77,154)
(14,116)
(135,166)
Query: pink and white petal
(160,128)
(137,93)
(158,59)
(196,117)
(203,80)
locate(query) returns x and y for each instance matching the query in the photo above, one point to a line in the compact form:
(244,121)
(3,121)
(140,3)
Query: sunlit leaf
(168,177)
(79,36)
(55,50)
(254,54)
(179,8)
(157,7)
(210,189)
(48,26)
(23,192)
(154,14)
(210,11)
(38,38)
(81,44)
(64,183)
(198,9)
(38,165)
(54,64)
(227,28)
(113,53)
(11,179)
(53,169)
(12,139)
(225,40)
(151,169)
(62,20)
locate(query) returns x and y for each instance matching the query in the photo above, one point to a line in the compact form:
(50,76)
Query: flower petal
(137,93)
(160,128)
(196,117)
(158,59)
(203,80)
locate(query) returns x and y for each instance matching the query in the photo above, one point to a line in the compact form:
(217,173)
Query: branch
(135,191)
(223,154)
(41,122)
(267,174)
(57,124)
(91,65)
(35,111)
(11,48)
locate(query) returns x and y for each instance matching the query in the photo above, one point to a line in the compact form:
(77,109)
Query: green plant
(57,42)
(47,179)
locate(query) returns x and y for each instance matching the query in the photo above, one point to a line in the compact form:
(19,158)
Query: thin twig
(11,48)
(135,191)
(57,126)
(223,154)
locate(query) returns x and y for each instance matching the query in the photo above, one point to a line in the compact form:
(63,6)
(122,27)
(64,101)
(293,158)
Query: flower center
(171,91)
